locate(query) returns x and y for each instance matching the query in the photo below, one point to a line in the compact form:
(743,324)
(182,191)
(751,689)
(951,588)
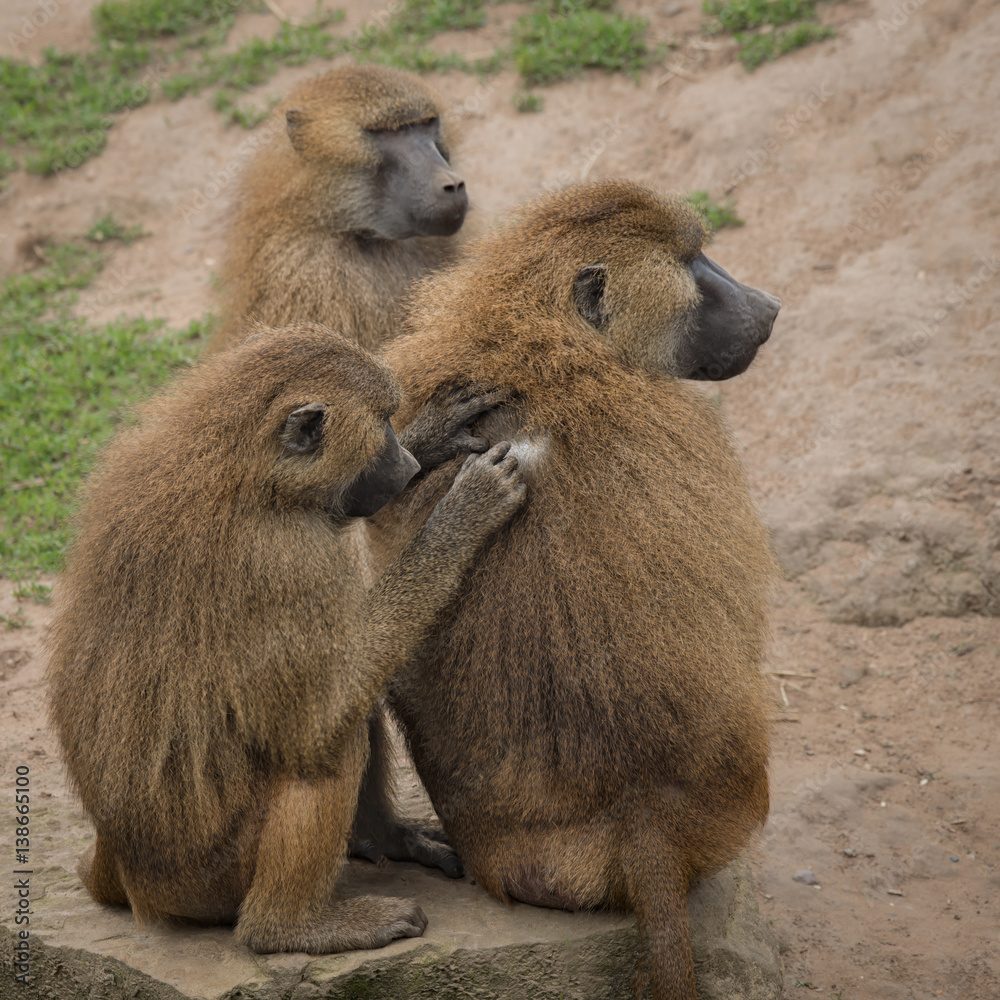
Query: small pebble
(953,858)
(806,877)
(894,892)
(860,753)
(850,852)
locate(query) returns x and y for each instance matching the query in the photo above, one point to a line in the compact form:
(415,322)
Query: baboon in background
(335,218)
(589,718)
(216,650)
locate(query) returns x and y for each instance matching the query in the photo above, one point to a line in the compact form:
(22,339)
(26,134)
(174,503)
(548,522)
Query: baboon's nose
(451,183)
(452,202)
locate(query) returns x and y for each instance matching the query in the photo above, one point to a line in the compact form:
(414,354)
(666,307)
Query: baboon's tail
(658,889)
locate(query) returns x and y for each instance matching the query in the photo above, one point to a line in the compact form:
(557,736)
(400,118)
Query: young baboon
(589,718)
(217,649)
(344,207)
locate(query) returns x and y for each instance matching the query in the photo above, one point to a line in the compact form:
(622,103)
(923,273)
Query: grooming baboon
(344,207)
(589,719)
(217,651)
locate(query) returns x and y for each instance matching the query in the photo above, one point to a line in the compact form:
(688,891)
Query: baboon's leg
(377,831)
(99,873)
(291,904)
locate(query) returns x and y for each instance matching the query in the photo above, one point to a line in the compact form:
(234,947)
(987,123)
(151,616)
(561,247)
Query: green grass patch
(550,45)
(63,108)
(17,620)
(8,163)
(755,49)
(37,593)
(526,102)
(717,215)
(766,29)
(741,15)
(108,228)
(403,53)
(132,20)
(63,382)
(423,19)
(258,59)
(401,41)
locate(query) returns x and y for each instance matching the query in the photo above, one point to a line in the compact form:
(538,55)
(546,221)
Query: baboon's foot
(345,925)
(425,843)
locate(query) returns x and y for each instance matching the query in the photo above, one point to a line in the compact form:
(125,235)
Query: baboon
(588,717)
(217,648)
(340,210)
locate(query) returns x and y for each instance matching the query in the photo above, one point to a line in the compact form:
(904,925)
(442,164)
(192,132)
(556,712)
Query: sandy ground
(865,169)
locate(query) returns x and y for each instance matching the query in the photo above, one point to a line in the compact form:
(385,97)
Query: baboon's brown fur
(589,720)
(219,643)
(299,247)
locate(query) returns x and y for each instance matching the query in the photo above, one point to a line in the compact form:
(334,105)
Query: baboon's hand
(487,492)
(441,430)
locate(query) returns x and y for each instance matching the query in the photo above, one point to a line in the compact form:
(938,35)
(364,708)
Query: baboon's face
(687,317)
(316,440)
(417,192)
(729,324)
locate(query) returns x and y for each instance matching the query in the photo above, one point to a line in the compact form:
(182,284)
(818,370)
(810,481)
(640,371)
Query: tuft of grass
(39,593)
(571,36)
(766,29)
(63,381)
(109,228)
(717,215)
(402,40)
(755,49)
(8,163)
(403,53)
(423,19)
(526,103)
(132,20)
(17,620)
(742,15)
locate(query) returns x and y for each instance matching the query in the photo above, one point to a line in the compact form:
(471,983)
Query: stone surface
(474,947)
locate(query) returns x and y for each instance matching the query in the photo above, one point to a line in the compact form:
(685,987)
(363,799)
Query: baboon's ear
(588,294)
(304,429)
(295,118)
